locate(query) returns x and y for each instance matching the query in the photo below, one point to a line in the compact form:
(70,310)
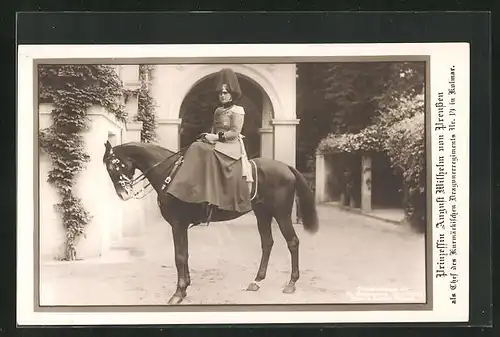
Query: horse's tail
(306,203)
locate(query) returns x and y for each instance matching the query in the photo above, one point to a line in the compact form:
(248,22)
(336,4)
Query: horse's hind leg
(286,227)
(264,219)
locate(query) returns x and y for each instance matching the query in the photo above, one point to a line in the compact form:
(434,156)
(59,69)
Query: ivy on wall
(73,89)
(145,104)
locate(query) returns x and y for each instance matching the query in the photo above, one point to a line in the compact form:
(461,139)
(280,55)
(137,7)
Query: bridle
(128,184)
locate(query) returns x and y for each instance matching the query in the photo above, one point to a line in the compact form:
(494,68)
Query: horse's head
(121,170)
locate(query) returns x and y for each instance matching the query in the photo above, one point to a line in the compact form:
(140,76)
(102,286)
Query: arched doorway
(199,104)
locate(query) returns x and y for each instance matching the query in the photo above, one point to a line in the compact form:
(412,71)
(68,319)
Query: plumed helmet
(227,77)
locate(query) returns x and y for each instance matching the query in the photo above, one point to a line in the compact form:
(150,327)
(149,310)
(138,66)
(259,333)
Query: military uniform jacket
(230,122)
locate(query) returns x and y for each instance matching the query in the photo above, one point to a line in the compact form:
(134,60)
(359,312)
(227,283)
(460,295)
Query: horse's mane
(154,149)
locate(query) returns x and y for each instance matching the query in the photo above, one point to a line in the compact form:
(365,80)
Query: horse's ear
(108,145)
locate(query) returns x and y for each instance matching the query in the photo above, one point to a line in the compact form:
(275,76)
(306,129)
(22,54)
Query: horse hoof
(176,299)
(253,287)
(289,289)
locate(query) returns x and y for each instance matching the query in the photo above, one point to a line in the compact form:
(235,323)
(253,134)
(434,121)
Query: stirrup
(195,223)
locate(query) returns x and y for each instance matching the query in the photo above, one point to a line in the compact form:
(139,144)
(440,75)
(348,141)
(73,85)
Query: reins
(142,176)
(133,182)
(167,180)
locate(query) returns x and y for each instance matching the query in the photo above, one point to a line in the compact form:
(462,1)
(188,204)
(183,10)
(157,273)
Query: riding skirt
(209,176)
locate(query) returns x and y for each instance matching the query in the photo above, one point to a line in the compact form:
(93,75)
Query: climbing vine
(145,104)
(73,89)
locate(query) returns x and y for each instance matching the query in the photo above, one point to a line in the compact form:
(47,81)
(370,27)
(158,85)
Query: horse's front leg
(180,236)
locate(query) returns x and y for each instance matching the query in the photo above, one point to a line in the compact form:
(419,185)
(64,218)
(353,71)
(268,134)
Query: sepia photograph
(240,145)
(217,183)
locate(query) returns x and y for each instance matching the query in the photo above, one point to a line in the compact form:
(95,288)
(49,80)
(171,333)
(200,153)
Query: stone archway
(196,113)
(172,83)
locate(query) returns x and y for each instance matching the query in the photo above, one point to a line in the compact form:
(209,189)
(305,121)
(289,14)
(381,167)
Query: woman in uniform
(216,170)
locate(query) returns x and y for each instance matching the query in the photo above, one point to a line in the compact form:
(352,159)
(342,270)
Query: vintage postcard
(225,184)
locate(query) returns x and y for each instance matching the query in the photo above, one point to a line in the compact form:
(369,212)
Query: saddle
(208,210)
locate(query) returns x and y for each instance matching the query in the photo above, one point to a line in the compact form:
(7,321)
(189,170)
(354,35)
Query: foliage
(404,143)
(374,137)
(360,91)
(398,131)
(401,108)
(317,118)
(354,108)
(405,146)
(145,105)
(337,98)
(368,139)
(73,89)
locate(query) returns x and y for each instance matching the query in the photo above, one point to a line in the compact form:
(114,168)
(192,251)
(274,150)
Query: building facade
(270,103)
(274,83)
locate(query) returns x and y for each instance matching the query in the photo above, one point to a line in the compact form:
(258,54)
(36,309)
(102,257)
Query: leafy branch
(399,131)
(73,89)
(145,104)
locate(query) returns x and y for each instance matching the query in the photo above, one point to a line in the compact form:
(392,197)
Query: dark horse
(275,184)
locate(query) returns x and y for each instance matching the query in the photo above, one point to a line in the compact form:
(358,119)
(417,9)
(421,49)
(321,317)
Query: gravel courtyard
(352,259)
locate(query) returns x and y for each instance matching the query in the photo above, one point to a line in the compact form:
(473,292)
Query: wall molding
(285,121)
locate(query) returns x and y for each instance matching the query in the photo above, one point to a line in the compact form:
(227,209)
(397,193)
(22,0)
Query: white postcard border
(442,57)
